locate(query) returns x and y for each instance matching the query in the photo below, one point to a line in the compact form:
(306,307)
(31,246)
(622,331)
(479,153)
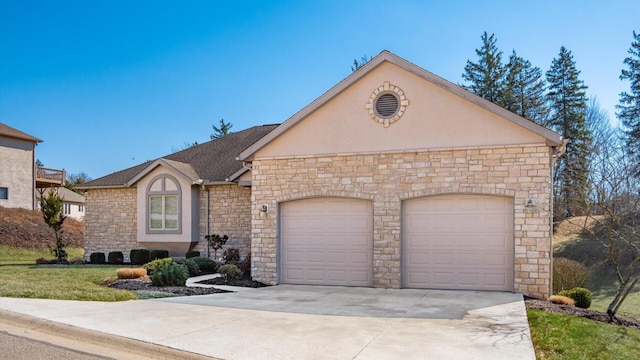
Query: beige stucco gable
(434,119)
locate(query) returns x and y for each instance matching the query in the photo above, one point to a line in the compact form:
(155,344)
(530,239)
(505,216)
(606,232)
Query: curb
(137,347)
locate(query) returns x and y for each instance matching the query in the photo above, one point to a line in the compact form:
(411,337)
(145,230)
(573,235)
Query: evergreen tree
(524,92)
(568,104)
(486,78)
(222,130)
(358,64)
(629,107)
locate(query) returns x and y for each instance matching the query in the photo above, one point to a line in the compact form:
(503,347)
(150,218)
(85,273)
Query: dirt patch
(576,311)
(26,229)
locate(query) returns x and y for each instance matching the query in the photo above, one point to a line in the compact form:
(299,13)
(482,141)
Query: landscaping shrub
(192,266)
(115,257)
(128,273)
(205,265)
(581,296)
(171,275)
(139,256)
(245,266)
(156,265)
(43,261)
(230,272)
(568,274)
(76,261)
(192,254)
(158,254)
(562,300)
(97,258)
(231,256)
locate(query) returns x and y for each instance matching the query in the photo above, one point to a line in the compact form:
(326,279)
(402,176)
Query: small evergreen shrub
(245,266)
(230,272)
(115,257)
(581,296)
(192,254)
(562,300)
(231,256)
(171,275)
(156,265)
(192,266)
(128,273)
(97,258)
(139,256)
(568,274)
(205,265)
(158,254)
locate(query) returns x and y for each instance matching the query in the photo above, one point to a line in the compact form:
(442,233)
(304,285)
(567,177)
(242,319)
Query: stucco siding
(17,172)
(520,172)
(434,118)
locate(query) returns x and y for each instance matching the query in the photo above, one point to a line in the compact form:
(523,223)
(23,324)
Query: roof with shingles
(212,161)
(8,131)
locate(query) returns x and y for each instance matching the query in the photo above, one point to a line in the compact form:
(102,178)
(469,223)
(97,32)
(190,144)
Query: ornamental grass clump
(131,273)
(171,275)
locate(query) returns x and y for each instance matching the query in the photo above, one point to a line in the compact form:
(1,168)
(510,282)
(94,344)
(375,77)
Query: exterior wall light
(264,208)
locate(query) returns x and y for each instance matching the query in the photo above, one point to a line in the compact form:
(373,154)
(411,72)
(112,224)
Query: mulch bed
(576,311)
(144,284)
(237,282)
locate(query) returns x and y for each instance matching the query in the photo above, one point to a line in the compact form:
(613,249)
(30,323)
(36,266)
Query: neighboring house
(73,203)
(17,168)
(393,178)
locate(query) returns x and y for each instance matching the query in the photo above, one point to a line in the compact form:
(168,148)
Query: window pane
(155,212)
(171,211)
(4,193)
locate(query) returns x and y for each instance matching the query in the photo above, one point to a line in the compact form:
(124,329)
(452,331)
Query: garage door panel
(335,238)
(458,242)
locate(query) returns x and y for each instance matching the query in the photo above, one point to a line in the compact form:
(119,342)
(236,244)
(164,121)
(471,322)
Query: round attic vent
(387,104)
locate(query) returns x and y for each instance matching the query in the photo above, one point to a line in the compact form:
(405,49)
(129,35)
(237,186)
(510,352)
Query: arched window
(164,205)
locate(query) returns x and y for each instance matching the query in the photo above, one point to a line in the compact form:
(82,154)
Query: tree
(39,163)
(567,102)
(216,242)
(486,77)
(612,207)
(358,64)
(524,92)
(51,207)
(223,129)
(73,180)
(629,107)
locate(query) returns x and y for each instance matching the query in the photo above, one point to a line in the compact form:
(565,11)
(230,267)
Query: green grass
(557,336)
(62,282)
(15,255)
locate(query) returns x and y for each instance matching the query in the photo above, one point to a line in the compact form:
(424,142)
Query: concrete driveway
(311,322)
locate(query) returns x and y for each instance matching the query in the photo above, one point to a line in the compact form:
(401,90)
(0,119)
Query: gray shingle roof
(8,131)
(212,161)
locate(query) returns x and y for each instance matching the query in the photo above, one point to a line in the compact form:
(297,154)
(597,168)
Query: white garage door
(458,242)
(326,241)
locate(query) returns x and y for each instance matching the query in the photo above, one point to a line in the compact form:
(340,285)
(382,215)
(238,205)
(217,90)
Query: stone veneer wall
(110,221)
(229,214)
(520,172)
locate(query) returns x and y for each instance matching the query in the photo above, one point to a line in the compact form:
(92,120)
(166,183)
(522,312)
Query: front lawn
(557,336)
(17,255)
(62,282)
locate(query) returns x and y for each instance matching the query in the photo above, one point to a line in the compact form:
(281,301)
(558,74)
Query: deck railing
(47,177)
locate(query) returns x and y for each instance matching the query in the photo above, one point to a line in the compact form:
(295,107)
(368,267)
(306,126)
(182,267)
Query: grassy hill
(26,229)
(571,242)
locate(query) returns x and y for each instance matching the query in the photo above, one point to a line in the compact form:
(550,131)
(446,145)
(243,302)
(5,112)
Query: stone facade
(110,221)
(521,172)
(229,211)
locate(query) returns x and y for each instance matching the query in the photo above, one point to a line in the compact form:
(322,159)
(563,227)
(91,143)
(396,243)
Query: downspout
(206,212)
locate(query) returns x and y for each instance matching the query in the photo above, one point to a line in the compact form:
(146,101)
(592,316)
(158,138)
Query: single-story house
(393,178)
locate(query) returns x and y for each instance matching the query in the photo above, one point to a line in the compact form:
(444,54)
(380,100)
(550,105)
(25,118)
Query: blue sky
(110,84)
